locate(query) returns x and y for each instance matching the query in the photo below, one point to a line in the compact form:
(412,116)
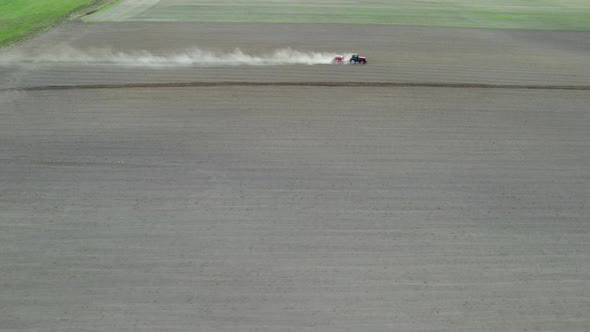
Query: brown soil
(396,54)
(211,199)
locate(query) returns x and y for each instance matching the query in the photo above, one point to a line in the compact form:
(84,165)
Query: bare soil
(395,54)
(307,208)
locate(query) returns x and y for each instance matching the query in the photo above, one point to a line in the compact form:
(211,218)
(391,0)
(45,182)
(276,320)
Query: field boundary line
(302,84)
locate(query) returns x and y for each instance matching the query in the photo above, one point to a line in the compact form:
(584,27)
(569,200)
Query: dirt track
(308,208)
(300,84)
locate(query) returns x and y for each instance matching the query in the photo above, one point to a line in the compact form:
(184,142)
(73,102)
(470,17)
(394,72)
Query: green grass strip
(20,19)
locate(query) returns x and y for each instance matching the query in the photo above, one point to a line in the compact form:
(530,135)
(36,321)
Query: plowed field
(443,186)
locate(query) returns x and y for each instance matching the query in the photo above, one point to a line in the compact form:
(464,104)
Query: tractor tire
(352,61)
(364,62)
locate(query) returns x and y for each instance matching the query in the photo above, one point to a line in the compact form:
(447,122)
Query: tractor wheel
(352,61)
(364,62)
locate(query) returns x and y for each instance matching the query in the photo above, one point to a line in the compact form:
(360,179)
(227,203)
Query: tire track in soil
(309,84)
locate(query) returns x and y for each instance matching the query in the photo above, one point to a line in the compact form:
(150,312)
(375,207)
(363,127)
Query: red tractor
(355,58)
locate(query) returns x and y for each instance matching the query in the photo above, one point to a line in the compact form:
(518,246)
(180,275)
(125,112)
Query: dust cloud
(144,58)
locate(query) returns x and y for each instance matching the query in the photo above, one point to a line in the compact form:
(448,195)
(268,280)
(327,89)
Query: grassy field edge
(51,22)
(109,5)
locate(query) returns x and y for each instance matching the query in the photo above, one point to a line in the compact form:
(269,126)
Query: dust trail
(189,57)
